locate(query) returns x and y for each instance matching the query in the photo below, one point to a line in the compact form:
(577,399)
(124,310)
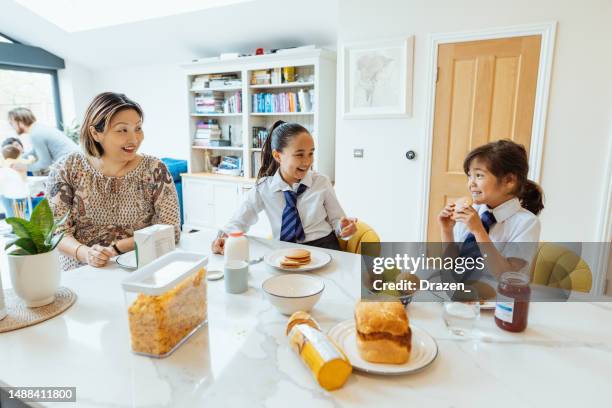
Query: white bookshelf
(285,85)
(316,70)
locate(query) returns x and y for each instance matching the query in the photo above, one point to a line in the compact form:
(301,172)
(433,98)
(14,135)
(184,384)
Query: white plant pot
(35,278)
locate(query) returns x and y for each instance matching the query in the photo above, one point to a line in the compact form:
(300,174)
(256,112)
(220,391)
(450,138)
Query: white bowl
(290,293)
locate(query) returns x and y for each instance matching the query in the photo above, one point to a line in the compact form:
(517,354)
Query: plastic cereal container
(166,302)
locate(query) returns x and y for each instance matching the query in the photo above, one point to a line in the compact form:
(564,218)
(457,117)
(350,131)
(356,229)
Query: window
(32,89)
(5,39)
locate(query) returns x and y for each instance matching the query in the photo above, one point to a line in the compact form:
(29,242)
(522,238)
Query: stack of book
(206,131)
(216,81)
(233,104)
(282,102)
(230,166)
(260,77)
(228,80)
(209,102)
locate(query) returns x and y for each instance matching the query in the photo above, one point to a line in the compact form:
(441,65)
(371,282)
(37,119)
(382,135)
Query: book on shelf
(259,136)
(207,129)
(233,104)
(276,76)
(260,77)
(304,101)
(208,134)
(230,165)
(222,80)
(200,142)
(286,102)
(219,143)
(208,101)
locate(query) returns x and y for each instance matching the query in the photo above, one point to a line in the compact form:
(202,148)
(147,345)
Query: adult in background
(48,143)
(109,189)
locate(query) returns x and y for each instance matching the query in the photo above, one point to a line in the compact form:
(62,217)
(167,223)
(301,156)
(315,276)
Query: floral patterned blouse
(104,209)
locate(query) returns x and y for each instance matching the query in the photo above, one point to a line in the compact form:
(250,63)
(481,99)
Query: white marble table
(242,358)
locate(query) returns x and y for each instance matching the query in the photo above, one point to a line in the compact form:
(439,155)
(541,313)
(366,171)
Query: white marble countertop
(242,358)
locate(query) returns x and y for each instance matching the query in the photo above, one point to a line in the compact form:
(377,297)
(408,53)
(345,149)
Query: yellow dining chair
(560,267)
(364,233)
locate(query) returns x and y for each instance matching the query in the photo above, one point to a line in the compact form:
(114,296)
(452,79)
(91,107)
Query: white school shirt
(319,209)
(514,225)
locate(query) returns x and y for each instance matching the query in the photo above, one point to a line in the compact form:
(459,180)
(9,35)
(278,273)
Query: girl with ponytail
(505,209)
(300,203)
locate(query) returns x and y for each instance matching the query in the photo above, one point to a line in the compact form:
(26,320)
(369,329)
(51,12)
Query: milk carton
(153,242)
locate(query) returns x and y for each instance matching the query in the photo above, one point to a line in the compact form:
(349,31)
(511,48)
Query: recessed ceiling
(81,15)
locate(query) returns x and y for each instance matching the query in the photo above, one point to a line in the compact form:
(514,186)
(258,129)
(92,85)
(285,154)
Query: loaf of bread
(383,332)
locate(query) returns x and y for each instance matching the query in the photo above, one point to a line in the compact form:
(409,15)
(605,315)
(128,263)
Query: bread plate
(318,259)
(424,350)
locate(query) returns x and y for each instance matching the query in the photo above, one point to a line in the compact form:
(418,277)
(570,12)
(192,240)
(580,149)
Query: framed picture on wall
(378,79)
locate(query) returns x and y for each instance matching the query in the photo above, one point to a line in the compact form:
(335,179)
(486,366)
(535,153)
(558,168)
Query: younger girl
(301,204)
(506,205)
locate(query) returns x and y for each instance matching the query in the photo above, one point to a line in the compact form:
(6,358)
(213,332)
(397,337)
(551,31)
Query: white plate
(424,350)
(127,260)
(318,259)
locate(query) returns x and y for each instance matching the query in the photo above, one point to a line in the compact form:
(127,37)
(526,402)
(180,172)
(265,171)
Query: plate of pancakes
(297,259)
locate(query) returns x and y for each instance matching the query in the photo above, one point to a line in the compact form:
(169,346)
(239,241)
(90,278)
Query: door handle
(410,155)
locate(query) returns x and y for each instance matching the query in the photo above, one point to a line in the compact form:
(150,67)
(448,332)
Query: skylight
(4,39)
(80,15)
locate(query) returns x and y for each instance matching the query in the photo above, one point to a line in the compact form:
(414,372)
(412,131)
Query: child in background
(300,203)
(505,209)
(13,160)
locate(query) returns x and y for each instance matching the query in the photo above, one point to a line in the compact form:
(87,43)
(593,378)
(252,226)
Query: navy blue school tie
(488,219)
(291,227)
(470,249)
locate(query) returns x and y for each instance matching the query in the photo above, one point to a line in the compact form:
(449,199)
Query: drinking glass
(461,312)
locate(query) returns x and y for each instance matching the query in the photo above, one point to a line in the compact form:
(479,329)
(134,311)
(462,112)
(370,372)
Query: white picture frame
(378,79)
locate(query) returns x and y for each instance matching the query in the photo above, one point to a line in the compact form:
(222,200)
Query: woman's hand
(218,246)
(98,255)
(469,216)
(348,226)
(445,218)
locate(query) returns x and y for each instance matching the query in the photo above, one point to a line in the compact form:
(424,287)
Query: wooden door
(485,91)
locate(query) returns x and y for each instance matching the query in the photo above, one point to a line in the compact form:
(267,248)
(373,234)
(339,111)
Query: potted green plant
(32,259)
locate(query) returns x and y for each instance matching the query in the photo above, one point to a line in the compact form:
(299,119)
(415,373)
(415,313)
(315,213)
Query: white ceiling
(239,27)
(76,15)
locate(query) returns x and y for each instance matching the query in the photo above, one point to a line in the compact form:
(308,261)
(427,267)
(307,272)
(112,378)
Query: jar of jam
(512,307)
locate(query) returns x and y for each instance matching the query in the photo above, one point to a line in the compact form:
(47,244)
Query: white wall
(384,187)
(76,91)
(161,92)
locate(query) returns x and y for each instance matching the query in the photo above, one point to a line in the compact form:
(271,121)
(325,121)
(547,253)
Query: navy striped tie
(488,219)
(291,228)
(470,249)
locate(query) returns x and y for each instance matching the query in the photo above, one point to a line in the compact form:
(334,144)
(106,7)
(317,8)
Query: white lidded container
(236,247)
(166,302)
